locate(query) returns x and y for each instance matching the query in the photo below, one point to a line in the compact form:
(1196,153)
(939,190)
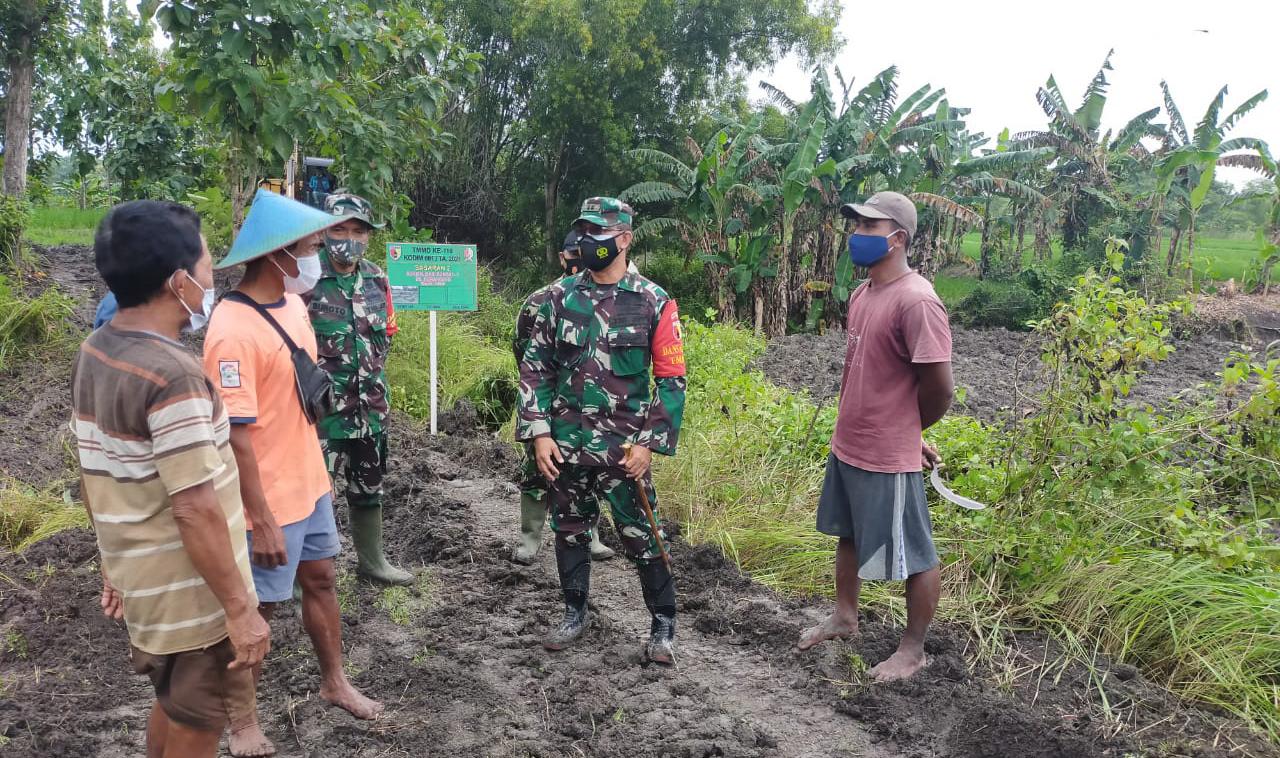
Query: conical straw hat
(273,222)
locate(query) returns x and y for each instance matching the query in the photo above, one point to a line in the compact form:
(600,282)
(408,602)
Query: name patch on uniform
(229,373)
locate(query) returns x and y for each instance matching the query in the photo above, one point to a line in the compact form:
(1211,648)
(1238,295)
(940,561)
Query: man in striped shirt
(160,482)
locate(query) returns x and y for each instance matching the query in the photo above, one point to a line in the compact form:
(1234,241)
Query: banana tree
(1269,237)
(1189,161)
(708,205)
(1096,175)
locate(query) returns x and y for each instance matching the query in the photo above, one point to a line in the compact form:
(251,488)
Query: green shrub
(1014,304)
(214,207)
(686,282)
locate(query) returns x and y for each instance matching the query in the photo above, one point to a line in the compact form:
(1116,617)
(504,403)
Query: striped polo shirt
(148,424)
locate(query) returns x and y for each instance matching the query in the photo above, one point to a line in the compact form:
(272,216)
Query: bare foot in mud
(833,627)
(901,665)
(350,700)
(249,742)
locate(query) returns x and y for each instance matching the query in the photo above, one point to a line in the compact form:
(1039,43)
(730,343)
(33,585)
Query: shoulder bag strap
(240,297)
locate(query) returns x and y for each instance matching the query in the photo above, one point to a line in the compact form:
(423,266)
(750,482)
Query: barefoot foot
(349,699)
(249,742)
(903,664)
(834,627)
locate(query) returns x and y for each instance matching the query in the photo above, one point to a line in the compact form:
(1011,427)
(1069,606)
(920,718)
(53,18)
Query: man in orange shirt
(284,484)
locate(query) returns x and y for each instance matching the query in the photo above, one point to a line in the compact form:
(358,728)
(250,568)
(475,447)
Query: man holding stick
(595,417)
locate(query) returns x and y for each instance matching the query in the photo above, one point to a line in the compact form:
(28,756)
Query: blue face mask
(867,249)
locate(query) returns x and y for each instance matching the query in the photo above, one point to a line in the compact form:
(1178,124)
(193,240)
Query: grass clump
(29,515)
(29,324)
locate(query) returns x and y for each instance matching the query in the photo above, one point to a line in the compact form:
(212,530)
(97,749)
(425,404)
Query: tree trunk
(779,294)
(1174,238)
(17,115)
(550,198)
(1022,241)
(984,252)
(1191,247)
(757,298)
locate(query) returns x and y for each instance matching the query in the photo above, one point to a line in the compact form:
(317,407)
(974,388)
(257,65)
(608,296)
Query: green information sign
(430,277)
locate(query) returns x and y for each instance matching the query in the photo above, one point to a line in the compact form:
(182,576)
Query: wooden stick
(648,512)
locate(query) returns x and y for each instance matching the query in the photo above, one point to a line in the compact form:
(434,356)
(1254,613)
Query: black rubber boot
(662,640)
(660,597)
(574,562)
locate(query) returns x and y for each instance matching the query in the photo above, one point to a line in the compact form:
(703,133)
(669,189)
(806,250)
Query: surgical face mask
(195,321)
(867,250)
(345,252)
(599,250)
(308,274)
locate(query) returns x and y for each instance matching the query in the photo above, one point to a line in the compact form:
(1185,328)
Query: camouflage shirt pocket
(628,351)
(571,338)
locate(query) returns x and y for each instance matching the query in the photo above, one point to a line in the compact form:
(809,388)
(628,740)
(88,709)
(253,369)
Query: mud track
(456,658)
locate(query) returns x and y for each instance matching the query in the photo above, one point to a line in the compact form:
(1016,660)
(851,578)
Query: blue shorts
(314,538)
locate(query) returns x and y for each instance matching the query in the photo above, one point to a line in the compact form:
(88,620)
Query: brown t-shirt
(890,327)
(148,425)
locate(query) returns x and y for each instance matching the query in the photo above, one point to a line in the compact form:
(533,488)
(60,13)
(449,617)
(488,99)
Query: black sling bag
(315,388)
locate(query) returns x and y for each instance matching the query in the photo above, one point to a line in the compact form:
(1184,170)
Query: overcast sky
(992,57)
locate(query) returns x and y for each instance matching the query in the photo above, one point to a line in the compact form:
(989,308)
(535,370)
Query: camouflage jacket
(585,378)
(529,312)
(354,320)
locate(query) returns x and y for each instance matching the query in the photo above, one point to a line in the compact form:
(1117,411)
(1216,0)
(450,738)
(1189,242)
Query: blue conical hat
(273,222)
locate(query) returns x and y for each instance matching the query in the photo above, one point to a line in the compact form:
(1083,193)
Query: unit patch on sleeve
(229,373)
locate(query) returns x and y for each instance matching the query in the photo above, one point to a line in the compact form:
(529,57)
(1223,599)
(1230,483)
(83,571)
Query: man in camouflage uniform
(595,417)
(533,485)
(354,320)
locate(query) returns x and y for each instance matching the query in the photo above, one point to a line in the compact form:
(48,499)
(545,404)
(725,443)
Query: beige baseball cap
(891,205)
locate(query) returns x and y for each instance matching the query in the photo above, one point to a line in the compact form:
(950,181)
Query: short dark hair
(139,245)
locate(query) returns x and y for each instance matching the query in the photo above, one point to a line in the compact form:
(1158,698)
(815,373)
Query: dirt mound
(995,369)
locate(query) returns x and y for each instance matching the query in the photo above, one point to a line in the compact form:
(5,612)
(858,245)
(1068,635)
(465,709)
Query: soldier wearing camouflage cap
(354,320)
(595,416)
(533,486)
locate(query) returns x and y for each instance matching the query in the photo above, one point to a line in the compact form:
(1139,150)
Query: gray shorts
(886,516)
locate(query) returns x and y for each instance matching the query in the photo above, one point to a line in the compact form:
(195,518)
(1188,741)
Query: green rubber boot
(366,533)
(533,515)
(599,550)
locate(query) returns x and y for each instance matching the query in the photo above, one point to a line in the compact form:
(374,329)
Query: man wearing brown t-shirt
(896,383)
(161,485)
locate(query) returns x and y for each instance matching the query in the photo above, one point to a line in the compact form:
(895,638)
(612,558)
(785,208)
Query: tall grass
(29,324)
(469,367)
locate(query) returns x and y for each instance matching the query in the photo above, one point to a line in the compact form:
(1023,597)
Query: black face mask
(572,264)
(598,254)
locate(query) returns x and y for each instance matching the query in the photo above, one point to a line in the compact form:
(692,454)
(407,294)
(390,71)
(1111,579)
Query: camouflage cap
(352,206)
(608,212)
(572,241)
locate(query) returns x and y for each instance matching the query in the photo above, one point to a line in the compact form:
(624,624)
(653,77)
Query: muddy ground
(457,662)
(997,369)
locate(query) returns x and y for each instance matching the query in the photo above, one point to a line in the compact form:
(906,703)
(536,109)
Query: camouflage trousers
(575,508)
(531,481)
(364,463)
